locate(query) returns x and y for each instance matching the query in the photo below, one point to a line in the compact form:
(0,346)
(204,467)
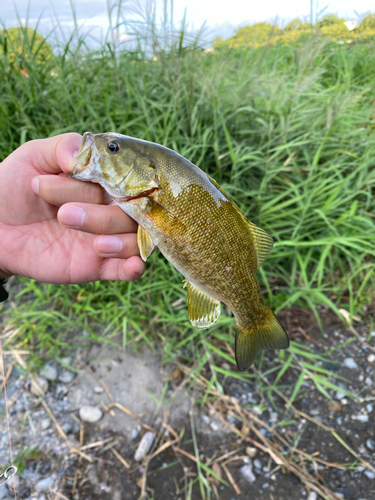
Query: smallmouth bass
(196,226)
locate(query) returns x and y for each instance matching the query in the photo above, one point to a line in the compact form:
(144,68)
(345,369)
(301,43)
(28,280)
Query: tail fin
(269,334)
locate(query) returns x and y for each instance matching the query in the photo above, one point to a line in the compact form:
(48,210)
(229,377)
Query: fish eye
(113,146)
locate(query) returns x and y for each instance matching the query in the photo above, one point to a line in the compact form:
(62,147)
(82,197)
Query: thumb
(52,155)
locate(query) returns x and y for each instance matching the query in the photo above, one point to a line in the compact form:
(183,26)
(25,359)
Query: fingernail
(72,161)
(140,269)
(72,216)
(109,244)
(35,185)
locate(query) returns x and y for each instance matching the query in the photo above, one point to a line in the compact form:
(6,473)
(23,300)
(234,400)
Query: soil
(136,393)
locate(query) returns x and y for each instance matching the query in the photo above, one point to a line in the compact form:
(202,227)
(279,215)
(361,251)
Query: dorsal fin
(262,241)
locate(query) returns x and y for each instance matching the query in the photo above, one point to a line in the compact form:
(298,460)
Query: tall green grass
(287,131)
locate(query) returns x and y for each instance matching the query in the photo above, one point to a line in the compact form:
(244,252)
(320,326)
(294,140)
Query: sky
(221,17)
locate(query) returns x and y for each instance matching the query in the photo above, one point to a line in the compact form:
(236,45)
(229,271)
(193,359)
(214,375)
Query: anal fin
(203,310)
(145,243)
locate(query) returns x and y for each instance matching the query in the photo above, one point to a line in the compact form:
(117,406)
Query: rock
(370,444)
(144,446)
(312,496)
(61,391)
(369,407)
(333,406)
(251,452)
(258,464)
(67,360)
(67,427)
(350,363)
(66,376)
(371,358)
(98,389)
(15,373)
(44,484)
(340,395)
(3,493)
(247,473)
(369,474)
(49,372)
(90,414)
(13,484)
(39,386)
(45,423)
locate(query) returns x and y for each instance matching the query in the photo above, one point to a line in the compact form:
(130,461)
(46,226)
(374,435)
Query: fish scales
(196,226)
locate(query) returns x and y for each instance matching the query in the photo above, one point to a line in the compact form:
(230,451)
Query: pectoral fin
(145,243)
(203,310)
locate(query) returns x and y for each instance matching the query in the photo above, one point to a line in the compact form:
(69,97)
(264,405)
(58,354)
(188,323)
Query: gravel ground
(83,427)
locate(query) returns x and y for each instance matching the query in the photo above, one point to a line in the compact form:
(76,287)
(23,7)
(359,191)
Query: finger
(58,189)
(52,155)
(97,219)
(121,246)
(122,270)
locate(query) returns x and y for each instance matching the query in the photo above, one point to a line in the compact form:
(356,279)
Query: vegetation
(329,27)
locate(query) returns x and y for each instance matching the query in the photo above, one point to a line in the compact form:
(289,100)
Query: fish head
(113,161)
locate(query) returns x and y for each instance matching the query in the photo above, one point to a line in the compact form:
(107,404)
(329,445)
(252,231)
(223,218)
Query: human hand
(37,239)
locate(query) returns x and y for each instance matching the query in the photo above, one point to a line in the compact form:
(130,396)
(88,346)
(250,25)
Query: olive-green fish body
(196,226)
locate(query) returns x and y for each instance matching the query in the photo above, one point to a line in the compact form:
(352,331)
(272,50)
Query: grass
(287,131)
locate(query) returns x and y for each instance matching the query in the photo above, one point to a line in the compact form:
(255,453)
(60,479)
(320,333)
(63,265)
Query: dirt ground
(67,458)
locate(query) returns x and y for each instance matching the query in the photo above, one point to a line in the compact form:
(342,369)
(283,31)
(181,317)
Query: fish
(196,226)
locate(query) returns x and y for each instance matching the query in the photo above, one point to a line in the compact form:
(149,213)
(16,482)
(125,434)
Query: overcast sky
(221,16)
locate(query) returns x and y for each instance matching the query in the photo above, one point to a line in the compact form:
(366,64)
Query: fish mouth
(86,156)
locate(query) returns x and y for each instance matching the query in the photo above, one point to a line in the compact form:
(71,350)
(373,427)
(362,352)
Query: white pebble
(360,418)
(144,446)
(350,363)
(257,464)
(90,414)
(312,496)
(39,386)
(49,372)
(251,452)
(45,423)
(340,395)
(370,444)
(368,381)
(371,358)
(98,389)
(247,472)
(44,484)
(369,474)
(369,407)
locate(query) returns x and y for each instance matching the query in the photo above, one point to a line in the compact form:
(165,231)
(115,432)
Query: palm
(34,239)
(33,242)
